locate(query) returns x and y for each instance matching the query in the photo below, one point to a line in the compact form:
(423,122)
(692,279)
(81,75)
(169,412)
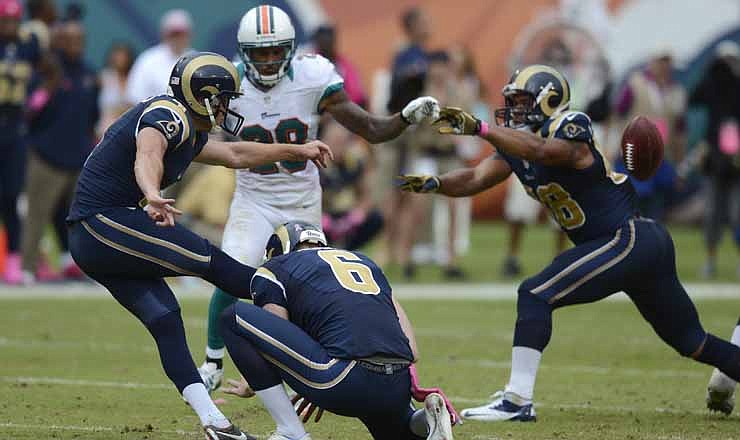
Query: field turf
(83,368)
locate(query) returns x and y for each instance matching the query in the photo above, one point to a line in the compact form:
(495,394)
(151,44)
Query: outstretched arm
(376,128)
(463,182)
(518,143)
(252,154)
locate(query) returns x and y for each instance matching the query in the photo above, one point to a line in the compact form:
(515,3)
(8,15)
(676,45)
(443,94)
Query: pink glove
(419,394)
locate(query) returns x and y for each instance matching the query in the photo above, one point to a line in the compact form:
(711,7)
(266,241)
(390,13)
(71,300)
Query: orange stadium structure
(370,32)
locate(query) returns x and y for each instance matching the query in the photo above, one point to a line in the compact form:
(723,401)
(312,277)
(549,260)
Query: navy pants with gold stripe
(639,259)
(125,251)
(268,350)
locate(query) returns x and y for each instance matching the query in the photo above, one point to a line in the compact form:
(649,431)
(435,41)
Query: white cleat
(438,418)
(503,407)
(721,393)
(211,376)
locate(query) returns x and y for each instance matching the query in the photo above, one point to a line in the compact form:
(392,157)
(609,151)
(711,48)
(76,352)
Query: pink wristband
(483,128)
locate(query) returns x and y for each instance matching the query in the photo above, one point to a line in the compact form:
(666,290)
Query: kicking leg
(154,304)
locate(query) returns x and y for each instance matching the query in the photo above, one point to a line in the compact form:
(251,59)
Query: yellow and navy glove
(460,122)
(418,183)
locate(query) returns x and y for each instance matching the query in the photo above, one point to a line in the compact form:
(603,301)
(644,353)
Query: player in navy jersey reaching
(123,233)
(324,321)
(553,153)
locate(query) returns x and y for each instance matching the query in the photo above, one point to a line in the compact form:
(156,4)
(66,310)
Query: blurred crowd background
(677,62)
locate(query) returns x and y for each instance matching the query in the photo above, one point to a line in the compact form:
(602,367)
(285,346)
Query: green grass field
(83,368)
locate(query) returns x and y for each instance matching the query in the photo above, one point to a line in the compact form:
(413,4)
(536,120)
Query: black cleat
(230,433)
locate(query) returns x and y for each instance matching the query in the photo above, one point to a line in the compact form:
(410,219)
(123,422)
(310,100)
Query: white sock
(278,404)
(524,364)
(736,336)
(197,396)
(215,353)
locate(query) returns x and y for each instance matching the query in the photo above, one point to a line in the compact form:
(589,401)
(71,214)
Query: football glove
(460,122)
(420,109)
(419,394)
(418,183)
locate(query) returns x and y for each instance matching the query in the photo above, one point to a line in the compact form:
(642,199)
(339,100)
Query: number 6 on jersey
(350,272)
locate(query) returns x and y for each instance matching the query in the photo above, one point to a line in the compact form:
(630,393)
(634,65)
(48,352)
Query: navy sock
(229,275)
(721,354)
(260,374)
(533,323)
(169,334)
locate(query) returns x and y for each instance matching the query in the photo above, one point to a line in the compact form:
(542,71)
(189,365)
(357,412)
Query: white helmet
(266,26)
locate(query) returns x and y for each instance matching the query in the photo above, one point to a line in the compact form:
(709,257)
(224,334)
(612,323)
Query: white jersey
(286,113)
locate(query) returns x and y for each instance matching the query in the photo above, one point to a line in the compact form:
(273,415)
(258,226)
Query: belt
(384,368)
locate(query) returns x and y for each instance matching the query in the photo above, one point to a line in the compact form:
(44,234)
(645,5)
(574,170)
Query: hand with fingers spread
(317,152)
(420,109)
(304,409)
(418,183)
(161,210)
(459,122)
(238,388)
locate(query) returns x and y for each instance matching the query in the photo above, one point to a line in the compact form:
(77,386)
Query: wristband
(483,129)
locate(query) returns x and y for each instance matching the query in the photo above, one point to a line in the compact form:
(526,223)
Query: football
(642,148)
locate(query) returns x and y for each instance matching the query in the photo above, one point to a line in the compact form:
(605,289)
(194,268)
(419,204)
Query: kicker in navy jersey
(129,248)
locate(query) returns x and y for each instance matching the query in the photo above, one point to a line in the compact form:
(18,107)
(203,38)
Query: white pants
(519,207)
(251,224)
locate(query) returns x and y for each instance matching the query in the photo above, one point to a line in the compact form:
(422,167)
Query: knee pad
(689,343)
(149,309)
(530,305)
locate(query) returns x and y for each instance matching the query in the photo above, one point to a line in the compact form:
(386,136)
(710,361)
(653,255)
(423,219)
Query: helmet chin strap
(210,114)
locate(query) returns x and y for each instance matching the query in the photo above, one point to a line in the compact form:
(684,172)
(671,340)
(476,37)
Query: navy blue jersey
(588,203)
(18,58)
(340,298)
(107,179)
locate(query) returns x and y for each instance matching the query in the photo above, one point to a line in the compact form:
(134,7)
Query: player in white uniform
(283,97)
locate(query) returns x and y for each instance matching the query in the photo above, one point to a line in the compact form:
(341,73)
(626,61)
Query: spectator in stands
(42,14)
(350,218)
(719,93)
(325,44)
(61,136)
(407,82)
(21,51)
(654,93)
(151,70)
(432,154)
(113,80)
(205,199)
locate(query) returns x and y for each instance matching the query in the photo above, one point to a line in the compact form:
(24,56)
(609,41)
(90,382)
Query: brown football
(642,148)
